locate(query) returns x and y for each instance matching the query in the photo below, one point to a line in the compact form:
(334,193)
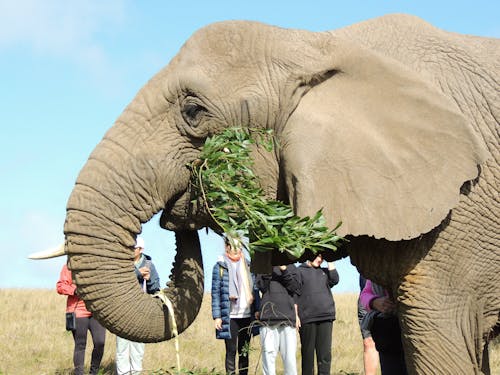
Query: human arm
(367,295)
(216,293)
(372,301)
(256,298)
(296,299)
(383,304)
(333,275)
(153,280)
(65,284)
(297,319)
(289,278)
(262,282)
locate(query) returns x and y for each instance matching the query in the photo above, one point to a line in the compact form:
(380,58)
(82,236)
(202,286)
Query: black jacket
(278,288)
(314,298)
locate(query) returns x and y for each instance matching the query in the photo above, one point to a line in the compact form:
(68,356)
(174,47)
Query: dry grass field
(34,340)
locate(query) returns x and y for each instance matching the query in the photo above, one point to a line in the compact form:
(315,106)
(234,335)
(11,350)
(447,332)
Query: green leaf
(224,179)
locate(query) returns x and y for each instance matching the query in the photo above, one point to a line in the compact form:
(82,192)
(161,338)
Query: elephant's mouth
(185,211)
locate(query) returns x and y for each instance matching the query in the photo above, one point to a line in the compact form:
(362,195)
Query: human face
(317,261)
(137,253)
(231,251)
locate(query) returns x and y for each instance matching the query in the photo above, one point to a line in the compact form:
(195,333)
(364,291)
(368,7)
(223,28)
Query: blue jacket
(153,284)
(221,305)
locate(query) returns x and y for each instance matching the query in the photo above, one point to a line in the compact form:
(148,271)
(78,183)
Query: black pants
(392,363)
(240,339)
(386,333)
(80,336)
(316,337)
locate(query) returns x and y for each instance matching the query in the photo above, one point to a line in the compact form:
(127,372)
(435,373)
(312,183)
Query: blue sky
(68,69)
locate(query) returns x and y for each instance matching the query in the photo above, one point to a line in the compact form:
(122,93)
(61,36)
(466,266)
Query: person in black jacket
(278,317)
(316,312)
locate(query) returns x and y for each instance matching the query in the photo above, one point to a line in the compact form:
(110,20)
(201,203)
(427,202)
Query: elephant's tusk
(49,253)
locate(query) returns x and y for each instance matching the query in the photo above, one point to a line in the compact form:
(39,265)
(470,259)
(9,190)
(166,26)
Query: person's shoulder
(220,263)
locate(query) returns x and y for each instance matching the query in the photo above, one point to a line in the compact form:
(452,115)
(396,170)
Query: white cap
(139,242)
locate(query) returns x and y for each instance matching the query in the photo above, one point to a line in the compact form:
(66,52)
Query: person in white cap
(129,354)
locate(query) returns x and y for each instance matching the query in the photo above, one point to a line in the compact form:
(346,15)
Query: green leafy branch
(223,177)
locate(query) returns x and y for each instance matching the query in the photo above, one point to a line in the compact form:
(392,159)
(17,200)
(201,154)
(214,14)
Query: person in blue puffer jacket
(235,301)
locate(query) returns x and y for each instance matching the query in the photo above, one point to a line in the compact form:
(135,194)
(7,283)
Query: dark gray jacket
(278,288)
(314,298)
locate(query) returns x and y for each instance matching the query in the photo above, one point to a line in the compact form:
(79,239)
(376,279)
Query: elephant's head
(350,125)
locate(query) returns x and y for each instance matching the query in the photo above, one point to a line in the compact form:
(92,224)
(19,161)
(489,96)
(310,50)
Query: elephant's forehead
(215,56)
(234,41)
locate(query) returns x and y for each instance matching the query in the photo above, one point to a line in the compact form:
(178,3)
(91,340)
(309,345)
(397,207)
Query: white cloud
(57,27)
(72,31)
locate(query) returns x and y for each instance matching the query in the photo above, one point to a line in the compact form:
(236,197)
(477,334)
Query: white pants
(282,339)
(129,356)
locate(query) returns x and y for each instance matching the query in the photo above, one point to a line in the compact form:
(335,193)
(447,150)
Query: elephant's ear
(377,148)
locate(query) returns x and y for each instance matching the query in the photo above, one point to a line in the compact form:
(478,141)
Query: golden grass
(34,340)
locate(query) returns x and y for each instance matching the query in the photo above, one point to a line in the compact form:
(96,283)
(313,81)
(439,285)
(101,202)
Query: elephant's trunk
(123,185)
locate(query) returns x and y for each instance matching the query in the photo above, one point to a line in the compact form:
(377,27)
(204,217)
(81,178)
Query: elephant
(389,125)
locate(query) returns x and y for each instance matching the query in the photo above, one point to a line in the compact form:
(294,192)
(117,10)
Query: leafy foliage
(223,177)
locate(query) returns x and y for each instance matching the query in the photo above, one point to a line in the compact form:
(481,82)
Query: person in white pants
(275,339)
(129,354)
(278,317)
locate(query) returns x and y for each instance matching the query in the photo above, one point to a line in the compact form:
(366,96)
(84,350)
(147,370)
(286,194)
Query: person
(370,354)
(316,313)
(383,324)
(278,317)
(84,322)
(235,300)
(129,354)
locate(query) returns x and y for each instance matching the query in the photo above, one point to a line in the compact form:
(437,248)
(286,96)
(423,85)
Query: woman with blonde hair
(234,303)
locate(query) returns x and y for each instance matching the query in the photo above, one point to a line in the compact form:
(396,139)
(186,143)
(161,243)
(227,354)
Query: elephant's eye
(192,113)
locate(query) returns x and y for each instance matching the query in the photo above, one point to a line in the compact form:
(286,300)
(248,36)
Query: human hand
(297,322)
(218,324)
(384,305)
(145,273)
(329,255)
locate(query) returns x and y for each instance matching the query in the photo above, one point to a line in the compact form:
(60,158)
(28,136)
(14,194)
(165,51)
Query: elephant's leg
(443,326)
(436,345)
(447,295)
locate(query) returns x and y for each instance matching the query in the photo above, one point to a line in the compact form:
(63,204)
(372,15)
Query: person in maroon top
(84,322)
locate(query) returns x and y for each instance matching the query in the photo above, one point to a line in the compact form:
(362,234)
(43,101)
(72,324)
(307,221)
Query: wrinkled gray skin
(390,125)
